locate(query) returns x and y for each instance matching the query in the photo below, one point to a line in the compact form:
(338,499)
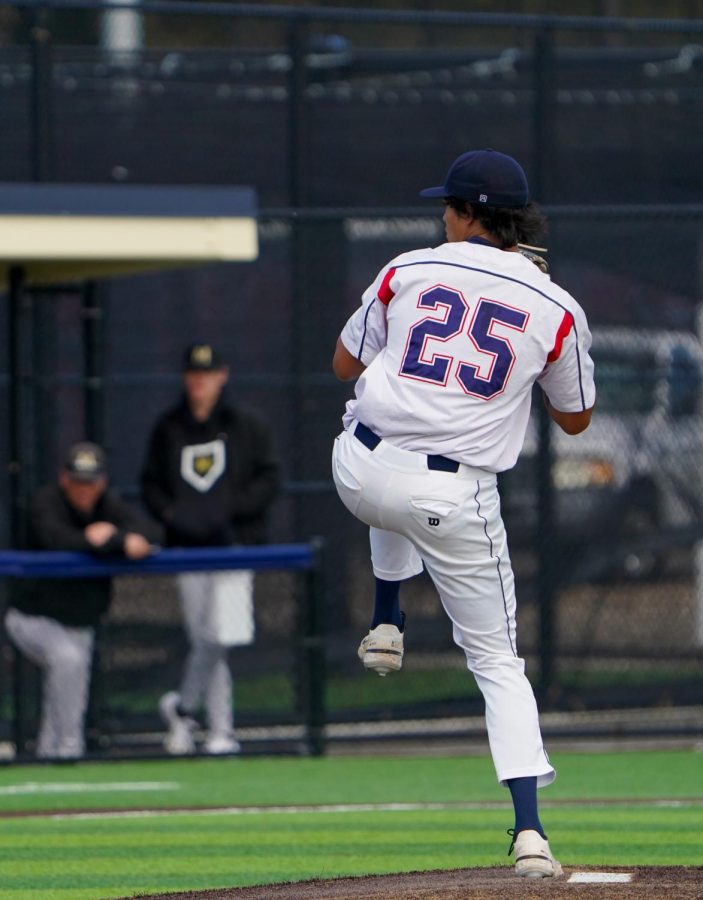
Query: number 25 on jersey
(423,365)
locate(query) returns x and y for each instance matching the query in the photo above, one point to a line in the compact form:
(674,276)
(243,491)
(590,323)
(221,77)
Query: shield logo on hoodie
(203,464)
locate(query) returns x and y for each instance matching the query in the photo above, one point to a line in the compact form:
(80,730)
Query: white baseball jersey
(453,339)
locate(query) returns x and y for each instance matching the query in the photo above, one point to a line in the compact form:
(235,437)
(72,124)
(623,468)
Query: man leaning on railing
(53,621)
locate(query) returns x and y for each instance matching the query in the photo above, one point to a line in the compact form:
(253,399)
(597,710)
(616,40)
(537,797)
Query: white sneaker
(222,744)
(382,649)
(179,741)
(533,858)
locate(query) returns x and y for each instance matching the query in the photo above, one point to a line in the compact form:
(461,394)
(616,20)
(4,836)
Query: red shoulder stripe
(385,292)
(567,323)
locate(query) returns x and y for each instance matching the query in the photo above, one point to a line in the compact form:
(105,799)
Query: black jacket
(211,483)
(56,525)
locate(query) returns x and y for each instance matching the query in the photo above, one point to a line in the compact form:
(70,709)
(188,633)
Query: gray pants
(207,677)
(64,655)
(213,623)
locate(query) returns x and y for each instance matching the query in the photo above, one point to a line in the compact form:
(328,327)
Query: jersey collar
(481,240)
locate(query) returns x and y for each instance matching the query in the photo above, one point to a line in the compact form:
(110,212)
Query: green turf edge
(304,781)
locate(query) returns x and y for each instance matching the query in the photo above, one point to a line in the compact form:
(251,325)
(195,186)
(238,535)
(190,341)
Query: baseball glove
(533,254)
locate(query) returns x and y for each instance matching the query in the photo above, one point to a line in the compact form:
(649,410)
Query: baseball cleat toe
(533,858)
(218,744)
(381,651)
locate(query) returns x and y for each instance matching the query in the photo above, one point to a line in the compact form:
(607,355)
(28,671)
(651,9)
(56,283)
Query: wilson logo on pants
(432,521)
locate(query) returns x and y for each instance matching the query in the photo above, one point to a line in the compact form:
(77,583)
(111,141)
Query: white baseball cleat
(382,649)
(179,741)
(217,744)
(533,858)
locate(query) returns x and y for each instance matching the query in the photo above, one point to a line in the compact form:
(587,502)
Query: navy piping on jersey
(363,335)
(439,262)
(497,559)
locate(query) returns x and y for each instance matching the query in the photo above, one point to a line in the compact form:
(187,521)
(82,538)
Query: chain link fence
(329,119)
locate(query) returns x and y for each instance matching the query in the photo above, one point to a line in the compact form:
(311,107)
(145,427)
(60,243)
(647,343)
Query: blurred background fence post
(42,115)
(545,75)
(93,316)
(313,668)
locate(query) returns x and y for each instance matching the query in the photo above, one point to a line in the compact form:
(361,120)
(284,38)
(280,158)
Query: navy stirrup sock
(524,794)
(387,604)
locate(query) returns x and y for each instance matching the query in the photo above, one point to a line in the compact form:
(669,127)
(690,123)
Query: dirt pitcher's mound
(655,882)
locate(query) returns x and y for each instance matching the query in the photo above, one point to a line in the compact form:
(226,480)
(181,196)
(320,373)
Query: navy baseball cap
(201,358)
(484,176)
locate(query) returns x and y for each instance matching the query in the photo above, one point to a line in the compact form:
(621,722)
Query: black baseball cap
(484,176)
(86,462)
(202,358)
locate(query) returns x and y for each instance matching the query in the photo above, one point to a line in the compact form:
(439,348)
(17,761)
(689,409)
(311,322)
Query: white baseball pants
(451,522)
(217,613)
(64,655)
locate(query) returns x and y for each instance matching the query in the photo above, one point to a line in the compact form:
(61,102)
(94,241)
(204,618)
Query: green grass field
(604,809)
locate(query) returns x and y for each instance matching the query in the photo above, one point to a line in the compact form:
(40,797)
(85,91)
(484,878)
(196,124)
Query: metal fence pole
(24,686)
(44,406)
(544,141)
(40,99)
(16,417)
(14,301)
(93,315)
(34,415)
(313,675)
(297,196)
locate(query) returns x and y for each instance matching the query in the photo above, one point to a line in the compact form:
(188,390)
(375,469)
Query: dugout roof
(58,233)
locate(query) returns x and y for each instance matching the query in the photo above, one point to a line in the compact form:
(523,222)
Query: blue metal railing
(46,564)
(305,559)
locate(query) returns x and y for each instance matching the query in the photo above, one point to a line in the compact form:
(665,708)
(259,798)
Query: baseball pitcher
(446,347)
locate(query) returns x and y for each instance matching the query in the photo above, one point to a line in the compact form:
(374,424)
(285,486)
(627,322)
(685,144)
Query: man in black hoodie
(210,476)
(53,621)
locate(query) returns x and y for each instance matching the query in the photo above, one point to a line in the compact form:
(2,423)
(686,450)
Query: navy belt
(371,440)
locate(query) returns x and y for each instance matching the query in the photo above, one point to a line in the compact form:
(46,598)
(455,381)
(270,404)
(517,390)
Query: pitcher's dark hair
(524,225)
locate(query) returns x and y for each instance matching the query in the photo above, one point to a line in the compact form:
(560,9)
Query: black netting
(375,121)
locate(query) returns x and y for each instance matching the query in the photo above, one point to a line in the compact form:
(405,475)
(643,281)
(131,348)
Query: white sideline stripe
(296,810)
(600,878)
(84,787)
(278,810)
